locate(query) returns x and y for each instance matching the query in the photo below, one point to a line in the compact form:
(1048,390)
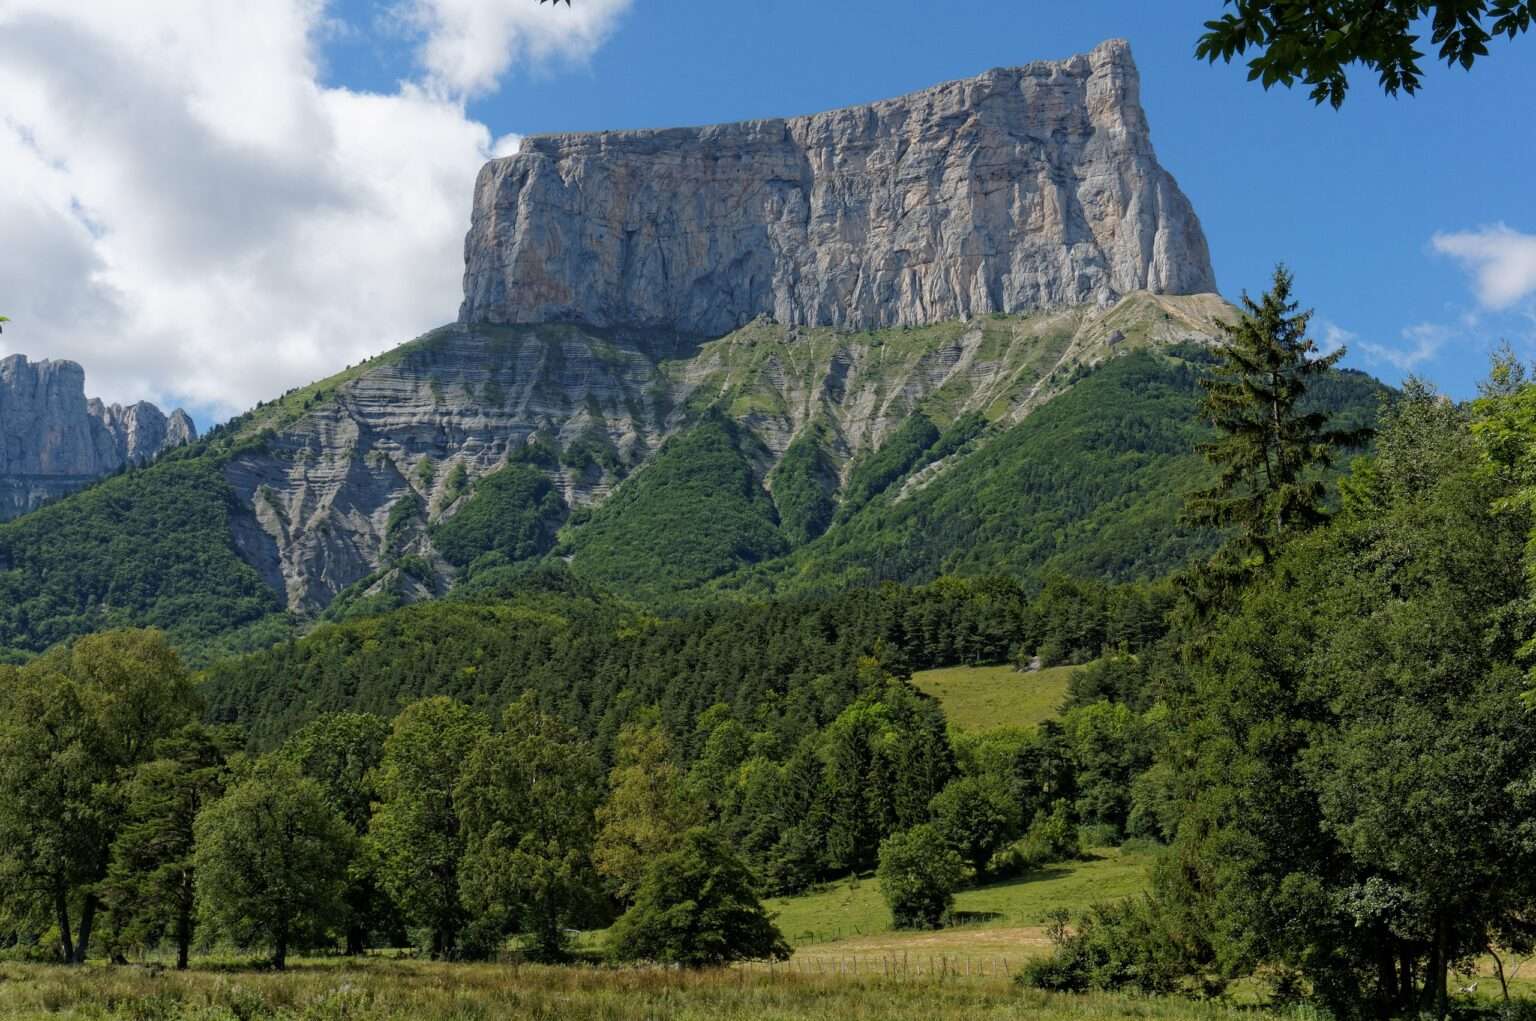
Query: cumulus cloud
(193,216)
(467,45)
(1502,262)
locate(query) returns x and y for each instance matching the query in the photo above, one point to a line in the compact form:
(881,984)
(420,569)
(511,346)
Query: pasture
(981,698)
(378,989)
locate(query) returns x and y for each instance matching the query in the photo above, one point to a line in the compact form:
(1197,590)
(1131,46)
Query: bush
(1099,834)
(918,874)
(1114,946)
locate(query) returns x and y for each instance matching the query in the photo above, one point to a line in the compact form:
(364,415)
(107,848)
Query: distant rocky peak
(1021,189)
(53,439)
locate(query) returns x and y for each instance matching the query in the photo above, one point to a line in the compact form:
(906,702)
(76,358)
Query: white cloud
(193,216)
(1334,337)
(1424,341)
(469,44)
(1502,262)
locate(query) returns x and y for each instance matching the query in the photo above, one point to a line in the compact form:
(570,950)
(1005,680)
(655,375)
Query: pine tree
(1270,452)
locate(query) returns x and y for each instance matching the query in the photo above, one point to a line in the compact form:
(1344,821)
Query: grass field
(979,698)
(854,910)
(384,990)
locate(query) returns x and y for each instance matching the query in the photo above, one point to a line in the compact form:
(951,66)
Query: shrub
(918,874)
(1114,946)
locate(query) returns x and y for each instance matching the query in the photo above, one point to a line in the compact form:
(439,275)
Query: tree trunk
(87,920)
(1436,970)
(61,906)
(183,937)
(1405,983)
(1443,964)
(280,946)
(1386,979)
(356,939)
(1498,965)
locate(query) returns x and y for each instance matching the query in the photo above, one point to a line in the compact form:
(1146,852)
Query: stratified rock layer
(54,441)
(352,473)
(1021,189)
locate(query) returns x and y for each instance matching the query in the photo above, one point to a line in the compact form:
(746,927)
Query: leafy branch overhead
(1314,41)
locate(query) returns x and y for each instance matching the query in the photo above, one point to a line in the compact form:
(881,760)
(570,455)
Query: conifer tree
(1270,451)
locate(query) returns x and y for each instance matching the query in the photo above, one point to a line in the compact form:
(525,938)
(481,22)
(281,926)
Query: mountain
(952,341)
(1020,189)
(53,440)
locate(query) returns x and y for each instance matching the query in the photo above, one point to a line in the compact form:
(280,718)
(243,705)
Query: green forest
(1305,695)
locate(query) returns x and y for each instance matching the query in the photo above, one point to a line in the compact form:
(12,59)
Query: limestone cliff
(54,441)
(1021,189)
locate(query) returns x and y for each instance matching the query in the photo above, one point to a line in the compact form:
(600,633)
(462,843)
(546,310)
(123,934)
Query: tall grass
(382,990)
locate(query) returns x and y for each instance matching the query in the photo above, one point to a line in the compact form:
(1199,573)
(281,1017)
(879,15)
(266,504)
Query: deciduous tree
(648,808)
(697,907)
(150,887)
(342,751)
(919,873)
(528,797)
(271,860)
(1314,42)
(417,834)
(73,724)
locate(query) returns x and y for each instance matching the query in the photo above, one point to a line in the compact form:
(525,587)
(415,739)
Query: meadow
(377,989)
(978,699)
(853,909)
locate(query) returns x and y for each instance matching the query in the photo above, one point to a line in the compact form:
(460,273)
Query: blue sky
(1349,199)
(211,201)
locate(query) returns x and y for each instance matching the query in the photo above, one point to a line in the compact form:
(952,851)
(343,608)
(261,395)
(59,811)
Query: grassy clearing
(853,910)
(980,698)
(381,990)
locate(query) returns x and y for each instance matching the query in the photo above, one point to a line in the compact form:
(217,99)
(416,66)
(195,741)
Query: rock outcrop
(354,473)
(1021,189)
(53,440)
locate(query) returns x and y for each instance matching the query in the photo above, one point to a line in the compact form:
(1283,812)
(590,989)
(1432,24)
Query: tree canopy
(1314,42)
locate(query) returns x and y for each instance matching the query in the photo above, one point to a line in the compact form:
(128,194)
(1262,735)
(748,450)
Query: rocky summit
(1021,189)
(53,440)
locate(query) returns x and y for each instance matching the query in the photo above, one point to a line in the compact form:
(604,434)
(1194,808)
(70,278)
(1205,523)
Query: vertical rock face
(1020,189)
(53,440)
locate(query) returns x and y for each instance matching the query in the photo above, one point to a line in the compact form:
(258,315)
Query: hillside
(476,447)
